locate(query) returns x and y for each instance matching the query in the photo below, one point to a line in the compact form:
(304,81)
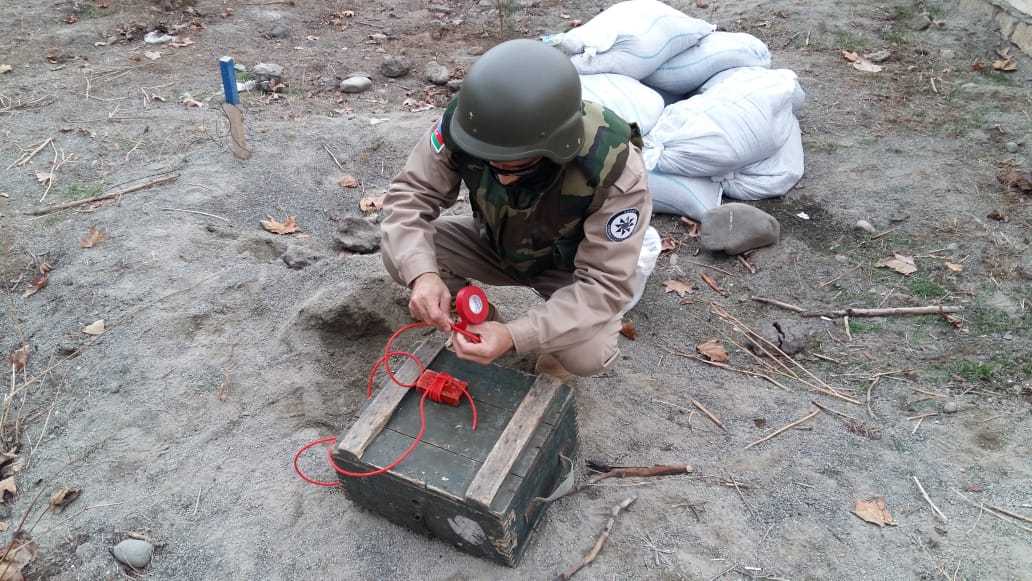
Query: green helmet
(520,99)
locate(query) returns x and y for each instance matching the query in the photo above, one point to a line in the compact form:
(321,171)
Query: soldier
(560,204)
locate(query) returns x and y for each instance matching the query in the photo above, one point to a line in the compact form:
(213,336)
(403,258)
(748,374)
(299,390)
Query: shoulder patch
(622,224)
(437,138)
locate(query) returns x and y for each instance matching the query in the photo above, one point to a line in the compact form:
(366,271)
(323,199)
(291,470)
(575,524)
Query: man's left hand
(495,341)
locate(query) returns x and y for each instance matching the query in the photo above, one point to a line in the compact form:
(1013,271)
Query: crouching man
(560,204)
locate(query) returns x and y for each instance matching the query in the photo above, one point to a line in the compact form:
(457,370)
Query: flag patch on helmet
(622,225)
(437,138)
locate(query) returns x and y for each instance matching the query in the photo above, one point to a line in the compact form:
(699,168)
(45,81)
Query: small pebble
(454,85)
(133,552)
(356,84)
(278,30)
(1012,147)
(865,226)
(950,407)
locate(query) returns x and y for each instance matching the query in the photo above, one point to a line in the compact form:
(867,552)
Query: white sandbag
(769,178)
(745,76)
(739,121)
(651,247)
(682,195)
(628,98)
(631,38)
(716,52)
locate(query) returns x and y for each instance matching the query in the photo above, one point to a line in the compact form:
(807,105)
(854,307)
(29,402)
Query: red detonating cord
(432,391)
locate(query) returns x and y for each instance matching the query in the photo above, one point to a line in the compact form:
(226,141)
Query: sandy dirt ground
(178,423)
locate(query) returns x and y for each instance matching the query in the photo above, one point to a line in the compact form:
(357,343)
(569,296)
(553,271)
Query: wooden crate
(475,490)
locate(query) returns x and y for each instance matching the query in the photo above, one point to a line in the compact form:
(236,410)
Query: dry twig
(858,312)
(709,415)
(784,428)
(938,512)
(107,196)
(600,542)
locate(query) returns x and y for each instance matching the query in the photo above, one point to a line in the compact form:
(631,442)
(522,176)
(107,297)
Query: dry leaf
(348,181)
(93,237)
(900,263)
(95,328)
(7,488)
(850,56)
(712,283)
(38,282)
(680,287)
(103,3)
(1006,65)
(42,176)
(192,103)
(1017,180)
(668,244)
(62,497)
(71,19)
(152,55)
(348,13)
(713,351)
(371,204)
(954,266)
(19,358)
(5,69)
(628,330)
(288,226)
(867,66)
(693,226)
(4,525)
(181,43)
(873,510)
(16,556)
(998,216)
(955,322)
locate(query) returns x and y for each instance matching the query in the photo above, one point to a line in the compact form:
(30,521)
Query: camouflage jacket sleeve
(604,270)
(426,184)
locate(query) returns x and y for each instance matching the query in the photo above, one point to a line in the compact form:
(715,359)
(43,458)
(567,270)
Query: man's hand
(431,301)
(495,341)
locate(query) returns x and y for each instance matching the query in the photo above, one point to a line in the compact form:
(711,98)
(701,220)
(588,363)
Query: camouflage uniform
(572,232)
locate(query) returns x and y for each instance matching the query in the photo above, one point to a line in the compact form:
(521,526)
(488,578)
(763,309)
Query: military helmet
(520,99)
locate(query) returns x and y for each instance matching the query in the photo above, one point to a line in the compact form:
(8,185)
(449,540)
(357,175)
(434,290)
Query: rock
(919,22)
(437,74)
(476,50)
(155,37)
(357,235)
(1012,147)
(278,30)
(865,226)
(395,66)
(791,337)
(948,54)
(1002,302)
(133,552)
(297,256)
(378,38)
(356,84)
(736,228)
(841,258)
(950,407)
(239,68)
(454,85)
(268,70)
(67,347)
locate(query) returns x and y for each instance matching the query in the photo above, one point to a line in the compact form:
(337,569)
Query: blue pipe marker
(229,82)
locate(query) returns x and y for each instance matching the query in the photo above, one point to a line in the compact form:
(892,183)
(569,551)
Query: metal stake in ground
(237,134)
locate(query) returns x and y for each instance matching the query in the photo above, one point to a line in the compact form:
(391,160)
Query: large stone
(356,84)
(437,74)
(278,30)
(267,74)
(133,552)
(736,228)
(357,235)
(299,256)
(395,66)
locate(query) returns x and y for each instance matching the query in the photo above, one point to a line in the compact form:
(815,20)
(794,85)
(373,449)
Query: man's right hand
(431,301)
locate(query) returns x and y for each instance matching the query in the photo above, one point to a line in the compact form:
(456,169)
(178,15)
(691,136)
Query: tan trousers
(463,255)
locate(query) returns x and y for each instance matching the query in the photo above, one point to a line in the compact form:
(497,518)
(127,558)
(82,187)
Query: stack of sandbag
(715,53)
(632,38)
(628,98)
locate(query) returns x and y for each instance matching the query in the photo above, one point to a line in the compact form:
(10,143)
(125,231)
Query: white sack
(746,76)
(631,38)
(716,52)
(744,119)
(683,196)
(651,247)
(628,98)
(769,178)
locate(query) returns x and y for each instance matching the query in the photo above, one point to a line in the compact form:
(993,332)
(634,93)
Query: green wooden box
(473,489)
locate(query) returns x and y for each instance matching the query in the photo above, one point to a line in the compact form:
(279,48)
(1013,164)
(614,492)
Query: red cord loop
(440,387)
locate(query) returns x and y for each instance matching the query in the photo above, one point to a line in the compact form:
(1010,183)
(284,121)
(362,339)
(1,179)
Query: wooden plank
(435,468)
(388,396)
(512,441)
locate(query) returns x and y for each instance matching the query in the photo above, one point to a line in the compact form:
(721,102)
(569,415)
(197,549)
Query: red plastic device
(451,388)
(473,308)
